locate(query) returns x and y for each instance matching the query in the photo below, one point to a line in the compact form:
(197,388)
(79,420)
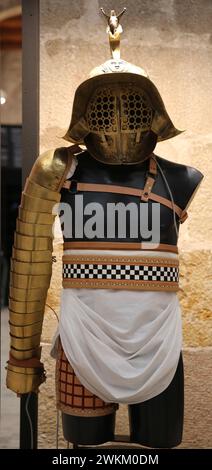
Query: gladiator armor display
(119,335)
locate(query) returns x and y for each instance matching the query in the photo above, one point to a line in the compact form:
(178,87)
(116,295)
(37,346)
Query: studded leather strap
(150,180)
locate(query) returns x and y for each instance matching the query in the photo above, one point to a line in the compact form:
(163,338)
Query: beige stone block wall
(171,39)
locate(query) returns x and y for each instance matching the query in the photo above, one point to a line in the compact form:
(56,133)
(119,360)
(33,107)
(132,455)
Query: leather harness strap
(107,188)
(152,173)
(145,194)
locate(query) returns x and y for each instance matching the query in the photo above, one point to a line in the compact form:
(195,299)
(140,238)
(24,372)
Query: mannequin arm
(31,268)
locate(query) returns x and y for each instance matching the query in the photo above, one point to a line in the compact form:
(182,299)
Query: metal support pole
(30,145)
(29,421)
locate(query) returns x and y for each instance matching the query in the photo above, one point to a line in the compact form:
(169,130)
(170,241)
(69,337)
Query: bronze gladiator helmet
(118,112)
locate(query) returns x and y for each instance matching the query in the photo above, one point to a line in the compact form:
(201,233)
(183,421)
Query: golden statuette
(114,30)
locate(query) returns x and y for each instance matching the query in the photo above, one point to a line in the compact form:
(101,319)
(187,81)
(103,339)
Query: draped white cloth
(123,345)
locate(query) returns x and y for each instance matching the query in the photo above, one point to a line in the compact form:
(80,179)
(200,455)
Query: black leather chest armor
(92,172)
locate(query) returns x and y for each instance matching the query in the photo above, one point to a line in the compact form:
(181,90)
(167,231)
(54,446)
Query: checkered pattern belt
(120,272)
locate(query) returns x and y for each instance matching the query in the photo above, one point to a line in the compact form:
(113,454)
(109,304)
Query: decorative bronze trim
(121,285)
(123,259)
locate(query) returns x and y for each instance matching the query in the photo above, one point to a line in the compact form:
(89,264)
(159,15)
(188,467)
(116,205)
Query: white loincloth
(124,346)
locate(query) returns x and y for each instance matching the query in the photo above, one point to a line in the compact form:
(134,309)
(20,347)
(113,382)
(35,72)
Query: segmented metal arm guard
(31,268)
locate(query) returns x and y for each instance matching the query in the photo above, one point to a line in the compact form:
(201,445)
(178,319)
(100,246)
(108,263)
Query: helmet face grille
(112,110)
(135,111)
(101,112)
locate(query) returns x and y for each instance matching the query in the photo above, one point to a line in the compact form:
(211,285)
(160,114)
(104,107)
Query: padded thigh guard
(31,267)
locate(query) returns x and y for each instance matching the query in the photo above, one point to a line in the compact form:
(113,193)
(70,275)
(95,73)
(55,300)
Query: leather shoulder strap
(74,187)
(150,181)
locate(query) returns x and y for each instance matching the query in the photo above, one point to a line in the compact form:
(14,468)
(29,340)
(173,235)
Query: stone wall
(172,40)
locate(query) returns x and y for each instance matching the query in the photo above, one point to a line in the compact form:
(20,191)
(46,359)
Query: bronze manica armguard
(24,380)
(31,267)
(26,354)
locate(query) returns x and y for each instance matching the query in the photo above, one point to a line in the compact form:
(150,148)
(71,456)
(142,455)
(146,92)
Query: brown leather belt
(88,245)
(120,272)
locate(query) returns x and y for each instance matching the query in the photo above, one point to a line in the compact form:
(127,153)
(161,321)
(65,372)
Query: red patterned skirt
(72,397)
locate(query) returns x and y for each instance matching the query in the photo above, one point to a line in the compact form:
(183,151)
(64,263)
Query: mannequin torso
(182,180)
